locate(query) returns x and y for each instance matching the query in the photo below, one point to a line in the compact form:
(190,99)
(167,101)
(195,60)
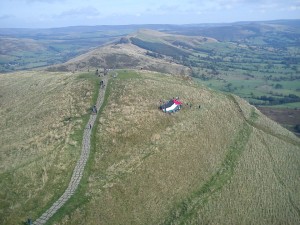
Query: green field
(249,73)
(31,50)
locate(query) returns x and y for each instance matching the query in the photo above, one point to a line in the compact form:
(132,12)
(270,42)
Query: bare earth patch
(288,118)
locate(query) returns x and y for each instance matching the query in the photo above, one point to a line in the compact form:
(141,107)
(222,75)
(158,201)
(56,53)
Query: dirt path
(79,168)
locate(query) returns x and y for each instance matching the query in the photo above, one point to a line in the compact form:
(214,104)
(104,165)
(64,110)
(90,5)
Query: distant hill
(145,49)
(62,44)
(267,31)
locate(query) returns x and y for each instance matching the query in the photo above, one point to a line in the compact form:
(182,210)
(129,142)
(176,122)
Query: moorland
(224,162)
(219,160)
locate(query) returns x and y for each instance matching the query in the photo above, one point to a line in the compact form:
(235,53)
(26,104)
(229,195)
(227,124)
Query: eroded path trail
(79,168)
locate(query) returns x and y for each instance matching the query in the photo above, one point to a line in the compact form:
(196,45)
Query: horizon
(151,24)
(43,14)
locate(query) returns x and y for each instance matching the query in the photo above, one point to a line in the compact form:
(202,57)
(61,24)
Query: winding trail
(79,168)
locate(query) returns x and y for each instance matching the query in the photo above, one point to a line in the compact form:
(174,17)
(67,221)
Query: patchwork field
(222,163)
(42,116)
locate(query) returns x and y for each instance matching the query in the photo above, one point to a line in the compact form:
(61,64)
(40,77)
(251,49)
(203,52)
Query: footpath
(79,168)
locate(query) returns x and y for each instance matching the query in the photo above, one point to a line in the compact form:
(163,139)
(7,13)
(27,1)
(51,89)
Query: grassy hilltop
(224,163)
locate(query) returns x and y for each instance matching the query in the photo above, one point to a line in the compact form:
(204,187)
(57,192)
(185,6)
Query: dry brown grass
(147,162)
(263,190)
(41,117)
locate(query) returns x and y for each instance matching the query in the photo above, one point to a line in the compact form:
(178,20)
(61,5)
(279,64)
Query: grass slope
(224,163)
(41,125)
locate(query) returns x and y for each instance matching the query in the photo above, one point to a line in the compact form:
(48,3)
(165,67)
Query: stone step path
(79,168)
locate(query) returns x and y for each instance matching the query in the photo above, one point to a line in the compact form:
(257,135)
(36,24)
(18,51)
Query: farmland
(252,74)
(27,49)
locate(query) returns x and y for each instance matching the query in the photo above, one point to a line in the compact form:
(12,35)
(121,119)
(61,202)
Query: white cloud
(86,11)
(44,1)
(6,16)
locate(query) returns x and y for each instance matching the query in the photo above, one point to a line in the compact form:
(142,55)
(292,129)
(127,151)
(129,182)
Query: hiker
(90,125)
(29,221)
(199,106)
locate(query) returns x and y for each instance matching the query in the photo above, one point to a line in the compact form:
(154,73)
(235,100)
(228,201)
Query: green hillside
(42,118)
(222,163)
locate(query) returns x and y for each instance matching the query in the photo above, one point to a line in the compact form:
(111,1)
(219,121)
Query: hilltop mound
(222,163)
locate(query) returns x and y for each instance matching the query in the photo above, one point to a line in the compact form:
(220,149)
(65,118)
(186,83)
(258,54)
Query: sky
(62,13)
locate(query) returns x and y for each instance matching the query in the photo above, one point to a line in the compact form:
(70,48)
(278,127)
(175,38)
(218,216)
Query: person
(29,221)
(90,125)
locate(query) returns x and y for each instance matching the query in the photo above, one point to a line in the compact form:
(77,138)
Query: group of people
(102,84)
(94,109)
(190,105)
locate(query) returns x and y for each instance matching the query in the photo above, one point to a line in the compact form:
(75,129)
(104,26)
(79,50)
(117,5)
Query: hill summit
(216,161)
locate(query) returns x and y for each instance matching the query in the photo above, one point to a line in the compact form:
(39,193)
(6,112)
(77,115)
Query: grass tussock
(42,118)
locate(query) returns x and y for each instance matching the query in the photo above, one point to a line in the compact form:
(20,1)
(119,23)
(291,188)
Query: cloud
(44,1)
(81,12)
(6,16)
(253,5)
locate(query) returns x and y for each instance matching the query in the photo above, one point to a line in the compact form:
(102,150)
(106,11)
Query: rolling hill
(145,49)
(223,162)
